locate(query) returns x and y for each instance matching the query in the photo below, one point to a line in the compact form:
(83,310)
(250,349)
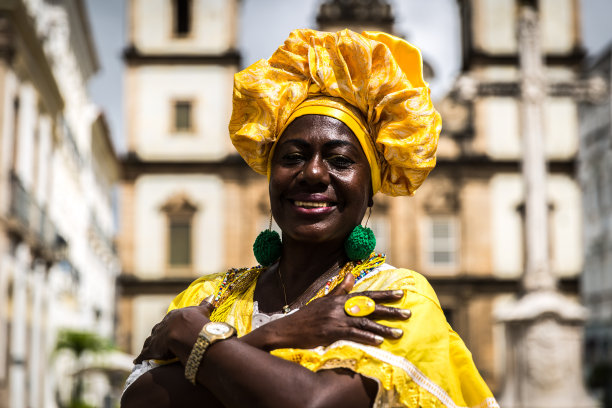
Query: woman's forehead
(316,127)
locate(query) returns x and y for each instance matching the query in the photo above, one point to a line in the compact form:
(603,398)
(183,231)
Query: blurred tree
(79,342)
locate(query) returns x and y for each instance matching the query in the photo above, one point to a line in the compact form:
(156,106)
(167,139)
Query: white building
(57,168)
(595,170)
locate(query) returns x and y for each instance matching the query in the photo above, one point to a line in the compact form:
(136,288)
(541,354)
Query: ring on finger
(359,306)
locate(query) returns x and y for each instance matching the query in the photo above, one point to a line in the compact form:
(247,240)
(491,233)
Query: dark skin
(319,190)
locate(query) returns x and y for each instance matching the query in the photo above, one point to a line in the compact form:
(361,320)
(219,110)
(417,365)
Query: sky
(431,25)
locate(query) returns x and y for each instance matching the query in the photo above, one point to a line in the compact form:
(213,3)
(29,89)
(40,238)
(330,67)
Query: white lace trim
(413,372)
(259,319)
(138,370)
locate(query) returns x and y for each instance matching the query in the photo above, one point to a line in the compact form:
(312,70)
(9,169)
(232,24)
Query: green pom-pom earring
(360,243)
(268,246)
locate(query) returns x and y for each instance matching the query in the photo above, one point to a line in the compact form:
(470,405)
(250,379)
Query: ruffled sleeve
(197,291)
(429,366)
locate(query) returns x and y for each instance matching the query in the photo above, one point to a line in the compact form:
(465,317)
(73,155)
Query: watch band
(195,357)
(204,340)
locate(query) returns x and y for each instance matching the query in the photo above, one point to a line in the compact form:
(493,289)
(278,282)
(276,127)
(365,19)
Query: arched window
(180,214)
(181,13)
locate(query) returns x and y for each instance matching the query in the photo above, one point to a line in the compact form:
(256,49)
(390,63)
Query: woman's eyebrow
(328,145)
(297,142)
(335,143)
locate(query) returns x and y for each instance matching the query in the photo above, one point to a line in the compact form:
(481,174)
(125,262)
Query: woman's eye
(292,158)
(342,162)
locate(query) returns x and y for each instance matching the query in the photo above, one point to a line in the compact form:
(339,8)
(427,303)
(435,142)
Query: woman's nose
(315,171)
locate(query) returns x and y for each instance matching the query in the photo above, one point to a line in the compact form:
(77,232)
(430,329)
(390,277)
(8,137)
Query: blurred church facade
(190,206)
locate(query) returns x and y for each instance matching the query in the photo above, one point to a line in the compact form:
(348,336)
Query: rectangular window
(183,111)
(442,242)
(182,17)
(180,242)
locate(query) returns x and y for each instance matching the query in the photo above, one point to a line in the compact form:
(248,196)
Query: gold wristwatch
(210,333)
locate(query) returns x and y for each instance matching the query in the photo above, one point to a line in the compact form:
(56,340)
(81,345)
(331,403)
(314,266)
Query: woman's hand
(324,321)
(176,334)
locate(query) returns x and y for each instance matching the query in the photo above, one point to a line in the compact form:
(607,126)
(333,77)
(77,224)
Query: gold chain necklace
(286,308)
(313,288)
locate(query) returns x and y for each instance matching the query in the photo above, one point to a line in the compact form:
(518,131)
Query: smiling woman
(332,119)
(319,181)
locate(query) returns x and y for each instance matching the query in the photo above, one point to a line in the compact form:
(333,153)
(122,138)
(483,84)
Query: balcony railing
(32,222)
(21,202)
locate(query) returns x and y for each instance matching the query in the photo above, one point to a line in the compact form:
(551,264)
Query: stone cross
(543,328)
(538,275)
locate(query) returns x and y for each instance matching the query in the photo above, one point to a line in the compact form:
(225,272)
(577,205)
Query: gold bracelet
(211,332)
(195,357)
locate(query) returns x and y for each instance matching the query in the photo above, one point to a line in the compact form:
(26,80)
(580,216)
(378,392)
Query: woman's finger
(371,333)
(390,313)
(206,306)
(140,358)
(344,287)
(363,324)
(207,300)
(146,343)
(381,295)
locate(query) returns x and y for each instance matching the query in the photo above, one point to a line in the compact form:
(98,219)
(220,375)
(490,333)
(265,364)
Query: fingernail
(378,339)
(398,292)
(209,299)
(396,332)
(406,313)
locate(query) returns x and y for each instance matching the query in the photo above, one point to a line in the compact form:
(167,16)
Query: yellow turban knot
(372,82)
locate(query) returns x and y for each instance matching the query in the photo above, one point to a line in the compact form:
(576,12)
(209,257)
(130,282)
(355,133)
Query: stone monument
(543,327)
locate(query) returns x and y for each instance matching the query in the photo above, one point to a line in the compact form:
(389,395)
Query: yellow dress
(429,366)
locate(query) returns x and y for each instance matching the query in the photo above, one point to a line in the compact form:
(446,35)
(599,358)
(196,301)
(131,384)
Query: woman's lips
(313,207)
(312,204)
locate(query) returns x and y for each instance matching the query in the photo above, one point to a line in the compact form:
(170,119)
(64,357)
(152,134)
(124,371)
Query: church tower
(182,181)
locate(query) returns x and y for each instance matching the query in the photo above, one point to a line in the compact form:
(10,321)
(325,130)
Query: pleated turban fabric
(373,82)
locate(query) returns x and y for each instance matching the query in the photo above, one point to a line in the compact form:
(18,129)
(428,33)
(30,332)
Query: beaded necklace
(237,280)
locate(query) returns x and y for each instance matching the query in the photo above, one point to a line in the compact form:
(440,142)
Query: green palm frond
(78,342)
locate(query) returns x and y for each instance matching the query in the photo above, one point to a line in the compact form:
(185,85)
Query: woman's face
(320,184)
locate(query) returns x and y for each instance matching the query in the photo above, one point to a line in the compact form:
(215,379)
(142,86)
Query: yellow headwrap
(372,82)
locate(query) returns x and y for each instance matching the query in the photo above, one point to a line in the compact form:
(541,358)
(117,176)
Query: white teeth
(311,204)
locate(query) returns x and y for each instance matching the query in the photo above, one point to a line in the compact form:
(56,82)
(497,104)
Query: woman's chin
(310,235)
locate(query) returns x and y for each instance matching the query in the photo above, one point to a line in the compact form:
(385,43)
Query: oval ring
(359,306)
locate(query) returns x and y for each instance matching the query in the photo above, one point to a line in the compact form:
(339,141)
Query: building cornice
(462,284)
(484,165)
(132,166)
(474,57)
(133,57)
(130,285)
(490,285)
(20,44)
(81,37)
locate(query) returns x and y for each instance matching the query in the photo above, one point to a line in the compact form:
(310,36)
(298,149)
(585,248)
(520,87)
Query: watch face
(218,329)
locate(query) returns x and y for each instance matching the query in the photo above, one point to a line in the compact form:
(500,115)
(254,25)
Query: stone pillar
(6,274)
(17,371)
(37,352)
(533,93)
(543,328)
